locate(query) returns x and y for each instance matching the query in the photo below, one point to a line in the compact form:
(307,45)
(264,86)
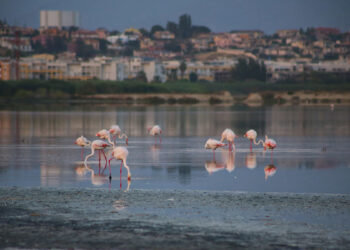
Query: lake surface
(312,155)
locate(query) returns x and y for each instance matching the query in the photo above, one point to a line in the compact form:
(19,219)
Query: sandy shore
(98,218)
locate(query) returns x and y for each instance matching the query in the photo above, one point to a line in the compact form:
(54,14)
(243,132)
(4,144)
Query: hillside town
(60,49)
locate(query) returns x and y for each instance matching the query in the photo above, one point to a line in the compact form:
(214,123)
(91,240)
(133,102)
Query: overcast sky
(218,15)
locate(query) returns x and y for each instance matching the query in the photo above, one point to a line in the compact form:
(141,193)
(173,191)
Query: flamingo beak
(75,142)
(98,135)
(111,131)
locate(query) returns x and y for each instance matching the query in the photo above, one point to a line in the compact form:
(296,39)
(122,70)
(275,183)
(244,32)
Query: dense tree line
(248,69)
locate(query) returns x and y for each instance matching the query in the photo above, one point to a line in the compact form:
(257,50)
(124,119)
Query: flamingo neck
(109,140)
(88,156)
(122,136)
(127,168)
(257,143)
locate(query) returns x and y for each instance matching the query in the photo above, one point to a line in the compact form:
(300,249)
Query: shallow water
(36,148)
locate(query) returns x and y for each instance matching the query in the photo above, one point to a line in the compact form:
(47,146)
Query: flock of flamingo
(109,139)
(230,136)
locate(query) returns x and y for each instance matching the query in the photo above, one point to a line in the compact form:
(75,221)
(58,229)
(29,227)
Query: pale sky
(218,15)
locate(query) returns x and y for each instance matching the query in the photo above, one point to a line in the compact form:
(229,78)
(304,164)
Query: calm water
(312,154)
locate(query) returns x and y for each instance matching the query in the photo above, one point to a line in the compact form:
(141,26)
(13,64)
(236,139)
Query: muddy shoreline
(155,219)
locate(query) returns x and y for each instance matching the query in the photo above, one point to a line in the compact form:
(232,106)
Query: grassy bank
(55,89)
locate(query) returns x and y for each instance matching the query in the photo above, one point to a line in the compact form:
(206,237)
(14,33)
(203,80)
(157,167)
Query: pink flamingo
(229,136)
(213,144)
(120,153)
(155,131)
(82,142)
(115,131)
(251,135)
(269,144)
(100,146)
(104,134)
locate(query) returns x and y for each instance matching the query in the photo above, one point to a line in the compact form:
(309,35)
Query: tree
(103,45)
(141,76)
(173,28)
(200,29)
(156,28)
(193,77)
(185,26)
(183,68)
(84,51)
(144,32)
(248,69)
(114,32)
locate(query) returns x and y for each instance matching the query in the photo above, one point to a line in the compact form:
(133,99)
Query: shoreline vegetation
(177,92)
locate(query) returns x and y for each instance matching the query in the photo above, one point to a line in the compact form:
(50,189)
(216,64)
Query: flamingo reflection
(81,170)
(155,152)
(96,179)
(250,160)
(270,170)
(229,159)
(213,166)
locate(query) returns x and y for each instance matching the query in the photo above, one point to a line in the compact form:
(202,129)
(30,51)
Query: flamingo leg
(160,139)
(155,139)
(213,154)
(251,145)
(110,171)
(121,165)
(229,146)
(105,157)
(233,147)
(99,158)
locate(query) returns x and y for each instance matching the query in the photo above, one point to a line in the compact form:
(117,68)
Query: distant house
(290,33)
(85,34)
(10,43)
(164,35)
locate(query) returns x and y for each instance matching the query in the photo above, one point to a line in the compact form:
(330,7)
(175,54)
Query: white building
(57,18)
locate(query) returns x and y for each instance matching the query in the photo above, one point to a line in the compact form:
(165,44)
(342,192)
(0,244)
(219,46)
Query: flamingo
(82,142)
(105,134)
(155,131)
(251,135)
(229,136)
(213,144)
(115,131)
(120,153)
(97,145)
(269,144)
(270,170)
